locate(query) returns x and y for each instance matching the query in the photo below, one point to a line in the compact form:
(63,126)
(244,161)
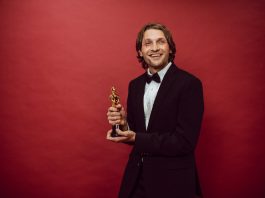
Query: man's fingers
(112,109)
(124,136)
(123,133)
(114,117)
(119,106)
(119,139)
(113,113)
(114,121)
(115,139)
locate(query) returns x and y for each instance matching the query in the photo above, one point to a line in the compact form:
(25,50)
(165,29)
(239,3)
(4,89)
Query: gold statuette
(115,99)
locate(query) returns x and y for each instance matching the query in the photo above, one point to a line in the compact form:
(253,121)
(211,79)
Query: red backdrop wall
(58,60)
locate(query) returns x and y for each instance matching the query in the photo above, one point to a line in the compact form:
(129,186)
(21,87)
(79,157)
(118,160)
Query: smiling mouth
(155,55)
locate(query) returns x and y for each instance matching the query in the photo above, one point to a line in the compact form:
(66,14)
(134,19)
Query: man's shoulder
(138,79)
(185,75)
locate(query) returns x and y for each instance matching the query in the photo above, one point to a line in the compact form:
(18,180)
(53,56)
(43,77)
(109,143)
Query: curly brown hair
(167,33)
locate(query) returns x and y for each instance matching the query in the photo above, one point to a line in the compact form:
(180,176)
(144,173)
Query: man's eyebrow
(157,39)
(161,38)
(147,39)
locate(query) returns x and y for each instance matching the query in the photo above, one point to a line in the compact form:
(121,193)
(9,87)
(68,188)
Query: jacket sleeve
(184,138)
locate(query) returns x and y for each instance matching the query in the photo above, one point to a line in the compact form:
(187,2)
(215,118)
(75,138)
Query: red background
(58,60)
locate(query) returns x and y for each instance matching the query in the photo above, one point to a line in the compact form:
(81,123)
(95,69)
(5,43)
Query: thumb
(119,106)
(121,133)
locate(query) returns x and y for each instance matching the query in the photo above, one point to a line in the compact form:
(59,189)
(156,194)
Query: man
(164,114)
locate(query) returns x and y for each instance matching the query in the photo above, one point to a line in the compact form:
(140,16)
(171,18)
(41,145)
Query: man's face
(155,50)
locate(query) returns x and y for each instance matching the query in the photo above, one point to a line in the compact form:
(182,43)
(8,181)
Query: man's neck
(153,70)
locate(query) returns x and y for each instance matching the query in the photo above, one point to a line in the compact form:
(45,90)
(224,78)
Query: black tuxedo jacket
(169,142)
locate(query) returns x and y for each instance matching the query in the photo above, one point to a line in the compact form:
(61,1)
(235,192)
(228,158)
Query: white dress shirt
(150,93)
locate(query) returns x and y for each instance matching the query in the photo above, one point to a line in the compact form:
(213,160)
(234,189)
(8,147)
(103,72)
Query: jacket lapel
(164,89)
(140,105)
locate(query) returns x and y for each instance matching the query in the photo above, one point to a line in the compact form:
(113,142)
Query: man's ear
(140,53)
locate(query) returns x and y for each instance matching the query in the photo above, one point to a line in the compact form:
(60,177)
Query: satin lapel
(139,99)
(162,92)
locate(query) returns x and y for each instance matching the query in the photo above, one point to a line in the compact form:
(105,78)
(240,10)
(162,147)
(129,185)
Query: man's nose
(155,47)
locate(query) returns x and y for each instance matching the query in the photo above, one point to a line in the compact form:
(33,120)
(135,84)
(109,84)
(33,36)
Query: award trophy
(115,99)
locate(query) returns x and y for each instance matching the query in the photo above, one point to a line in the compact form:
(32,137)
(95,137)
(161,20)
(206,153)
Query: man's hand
(117,115)
(124,136)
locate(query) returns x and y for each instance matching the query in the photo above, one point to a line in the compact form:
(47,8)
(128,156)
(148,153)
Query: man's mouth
(155,55)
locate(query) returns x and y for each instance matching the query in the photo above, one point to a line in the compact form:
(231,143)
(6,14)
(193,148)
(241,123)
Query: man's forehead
(153,34)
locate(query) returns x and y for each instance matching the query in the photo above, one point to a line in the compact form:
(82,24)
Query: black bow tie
(155,77)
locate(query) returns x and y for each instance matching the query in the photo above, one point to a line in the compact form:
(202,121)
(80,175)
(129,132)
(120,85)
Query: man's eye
(147,43)
(162,42)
